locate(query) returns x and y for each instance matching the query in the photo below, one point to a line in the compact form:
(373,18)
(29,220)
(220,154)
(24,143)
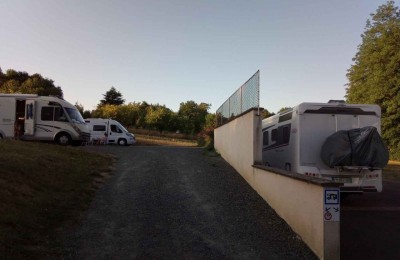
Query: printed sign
(331,204)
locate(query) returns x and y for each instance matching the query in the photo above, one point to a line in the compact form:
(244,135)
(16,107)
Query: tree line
(191,117)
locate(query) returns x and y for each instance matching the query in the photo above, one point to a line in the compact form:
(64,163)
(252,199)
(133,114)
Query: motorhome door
(113,133)
(29,124)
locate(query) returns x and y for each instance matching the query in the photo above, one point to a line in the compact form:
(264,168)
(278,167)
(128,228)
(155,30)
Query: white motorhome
(41,118)
(109,131)
(293,139)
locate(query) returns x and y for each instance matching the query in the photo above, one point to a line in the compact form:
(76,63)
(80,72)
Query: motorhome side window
(47,113)
(274,135)
(285,117)
(279,136)
(115,129)
(53,114)
(286,134)
(59,115)
(265,138)
(99,128)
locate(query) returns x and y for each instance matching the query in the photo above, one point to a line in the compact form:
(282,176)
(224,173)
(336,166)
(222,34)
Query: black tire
(122,142)
(63,139)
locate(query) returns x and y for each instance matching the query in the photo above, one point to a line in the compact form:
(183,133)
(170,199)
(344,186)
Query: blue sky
(169,52)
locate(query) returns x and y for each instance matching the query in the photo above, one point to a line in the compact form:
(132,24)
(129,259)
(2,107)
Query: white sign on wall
(331,204)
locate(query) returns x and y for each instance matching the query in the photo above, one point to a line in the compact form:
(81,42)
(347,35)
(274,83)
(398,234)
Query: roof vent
(336,101)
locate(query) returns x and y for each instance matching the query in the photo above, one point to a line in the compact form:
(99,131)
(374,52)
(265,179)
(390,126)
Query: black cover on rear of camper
(355,147)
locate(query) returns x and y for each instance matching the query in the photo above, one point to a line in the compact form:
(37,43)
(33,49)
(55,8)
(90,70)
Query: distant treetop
(112,97)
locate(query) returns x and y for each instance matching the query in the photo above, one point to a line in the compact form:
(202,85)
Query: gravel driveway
(175,202)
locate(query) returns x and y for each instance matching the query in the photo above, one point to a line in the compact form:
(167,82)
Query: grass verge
(42,188)
(163,141)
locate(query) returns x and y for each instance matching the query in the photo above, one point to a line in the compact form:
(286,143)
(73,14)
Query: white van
(109,131)
(41,118)
(293,140)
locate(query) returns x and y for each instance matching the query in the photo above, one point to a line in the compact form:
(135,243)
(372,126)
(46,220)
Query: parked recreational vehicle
(42,118)
(109,131)
(327,140)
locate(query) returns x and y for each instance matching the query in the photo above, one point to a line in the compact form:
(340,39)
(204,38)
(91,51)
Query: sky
(173,51)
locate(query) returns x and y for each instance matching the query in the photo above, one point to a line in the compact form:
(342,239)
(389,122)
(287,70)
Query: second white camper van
(294,139)
(109,131)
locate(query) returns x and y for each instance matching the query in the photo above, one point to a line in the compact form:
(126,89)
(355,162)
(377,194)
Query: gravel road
(176,202)
(370,226)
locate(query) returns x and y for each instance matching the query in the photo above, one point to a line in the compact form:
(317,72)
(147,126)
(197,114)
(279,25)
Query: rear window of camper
(99,128)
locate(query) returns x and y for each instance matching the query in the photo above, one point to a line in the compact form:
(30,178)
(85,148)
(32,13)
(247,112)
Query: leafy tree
(209,121)
(2,77)
(87,114)
(132,114)
(10,86)
(79,107)
(192,116)
(266,114)
(158,117)
(128,114)
(141,120)
(283,109)
(374,78)
(106,111)
(174,122)
(21,82)
(84,113)
(112,97)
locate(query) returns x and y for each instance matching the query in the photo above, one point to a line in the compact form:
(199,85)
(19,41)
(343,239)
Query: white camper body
(41,118)
(109,131)
(292,140)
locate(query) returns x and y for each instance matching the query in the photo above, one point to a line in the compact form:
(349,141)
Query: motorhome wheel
(122,142)
(63,139)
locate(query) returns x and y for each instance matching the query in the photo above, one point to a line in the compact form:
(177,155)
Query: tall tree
(374,78)
(112,97)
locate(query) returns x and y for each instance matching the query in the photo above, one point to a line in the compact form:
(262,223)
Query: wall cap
(300,177)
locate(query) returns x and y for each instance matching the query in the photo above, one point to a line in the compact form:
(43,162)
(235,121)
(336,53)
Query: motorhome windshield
(75,116)
(123,128)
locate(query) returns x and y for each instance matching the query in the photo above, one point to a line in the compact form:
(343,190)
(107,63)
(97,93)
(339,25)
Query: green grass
(165,134)
(43,187)
(163,141)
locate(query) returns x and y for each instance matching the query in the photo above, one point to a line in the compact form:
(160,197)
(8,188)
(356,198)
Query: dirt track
(174,202)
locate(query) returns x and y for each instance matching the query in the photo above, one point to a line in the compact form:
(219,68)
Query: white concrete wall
(296,198)
(299,203)
(237,142)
